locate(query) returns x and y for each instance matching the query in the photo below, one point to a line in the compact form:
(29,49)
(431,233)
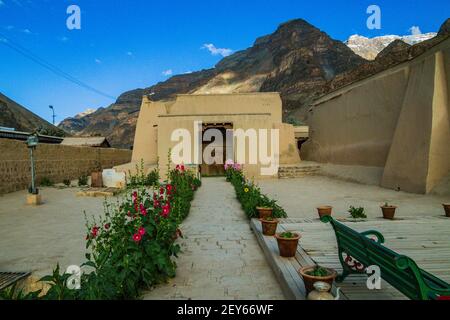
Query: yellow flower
(246,190)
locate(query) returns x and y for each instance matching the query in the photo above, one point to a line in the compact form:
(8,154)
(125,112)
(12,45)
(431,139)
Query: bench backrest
(395,269)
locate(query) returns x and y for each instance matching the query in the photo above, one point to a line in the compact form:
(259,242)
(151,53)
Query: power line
(30,55)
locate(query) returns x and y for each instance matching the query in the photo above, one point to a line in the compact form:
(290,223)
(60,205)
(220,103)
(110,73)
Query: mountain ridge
(298,60)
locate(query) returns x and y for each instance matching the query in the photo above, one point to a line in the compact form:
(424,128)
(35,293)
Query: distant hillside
(298,60)
(13,115)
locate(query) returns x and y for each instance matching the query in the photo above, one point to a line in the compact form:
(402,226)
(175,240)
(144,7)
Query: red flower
(182,168)
(169,188)
(94,231)
(141,231)
(107,226)
(135,195)
(161,190)
(137,237)
(166,211)
(129,213)
(143,210)
(156,204)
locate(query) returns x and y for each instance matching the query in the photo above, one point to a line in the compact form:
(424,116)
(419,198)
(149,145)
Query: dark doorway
(216,169)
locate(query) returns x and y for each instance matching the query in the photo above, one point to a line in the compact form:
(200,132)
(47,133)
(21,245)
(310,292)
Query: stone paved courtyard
(300,197)
(221,258)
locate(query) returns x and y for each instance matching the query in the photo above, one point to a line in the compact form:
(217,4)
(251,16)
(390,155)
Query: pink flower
(137,237)
(156,204)
(141,231)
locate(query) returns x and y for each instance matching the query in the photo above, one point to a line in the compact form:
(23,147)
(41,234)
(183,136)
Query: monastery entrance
(216,169)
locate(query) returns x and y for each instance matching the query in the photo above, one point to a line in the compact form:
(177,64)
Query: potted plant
(287,243)
(388,211)
(324,211)
(357,213)
(313,274)
(269,226)
(447,209)
(264,212)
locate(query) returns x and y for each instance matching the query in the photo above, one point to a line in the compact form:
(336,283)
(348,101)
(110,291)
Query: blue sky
(128,44)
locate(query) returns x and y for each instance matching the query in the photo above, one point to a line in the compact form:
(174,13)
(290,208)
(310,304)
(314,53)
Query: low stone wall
(55,162)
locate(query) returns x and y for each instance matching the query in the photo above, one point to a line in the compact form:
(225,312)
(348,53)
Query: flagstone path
(221,258)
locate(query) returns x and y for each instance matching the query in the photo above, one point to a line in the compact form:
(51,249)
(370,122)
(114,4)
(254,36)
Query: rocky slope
(13,115)
(369,48)
(297,60)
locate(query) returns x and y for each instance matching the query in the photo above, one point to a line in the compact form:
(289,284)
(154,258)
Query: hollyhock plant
(141,231)
(143,210)
(136,240)
(229,164)
(137,237)
(94,231)
(165,211)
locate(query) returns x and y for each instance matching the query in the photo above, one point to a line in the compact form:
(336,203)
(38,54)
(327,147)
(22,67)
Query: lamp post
(32,143)
(53,116)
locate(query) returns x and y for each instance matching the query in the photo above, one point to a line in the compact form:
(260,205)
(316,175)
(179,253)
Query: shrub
(140,179)
(46,182)
(66,182)
(249,194)
(357,213)
(83,181)
(133,245)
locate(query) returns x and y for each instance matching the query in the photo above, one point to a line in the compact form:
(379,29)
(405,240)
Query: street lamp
(53,116)
(32,143)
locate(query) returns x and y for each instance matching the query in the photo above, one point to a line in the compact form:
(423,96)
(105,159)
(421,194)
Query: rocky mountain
(395,53)
(369,48)
(13,115)
(445,28)
(297,60)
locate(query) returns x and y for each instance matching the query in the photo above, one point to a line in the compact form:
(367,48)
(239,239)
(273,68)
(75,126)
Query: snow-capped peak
(369,48)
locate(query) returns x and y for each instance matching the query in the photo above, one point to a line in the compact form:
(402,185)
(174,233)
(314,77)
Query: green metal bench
(357,251)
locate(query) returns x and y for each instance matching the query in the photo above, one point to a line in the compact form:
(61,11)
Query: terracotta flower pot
(324,211)
(309,280)
(447,209)
(264,213)
(388,212)
(288,246)
(269,227)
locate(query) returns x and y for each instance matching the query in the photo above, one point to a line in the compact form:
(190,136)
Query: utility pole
(54,116)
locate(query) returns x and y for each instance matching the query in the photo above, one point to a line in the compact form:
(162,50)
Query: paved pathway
(221,258)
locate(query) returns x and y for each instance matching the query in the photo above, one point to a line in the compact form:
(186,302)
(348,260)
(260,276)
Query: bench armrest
(378,235)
